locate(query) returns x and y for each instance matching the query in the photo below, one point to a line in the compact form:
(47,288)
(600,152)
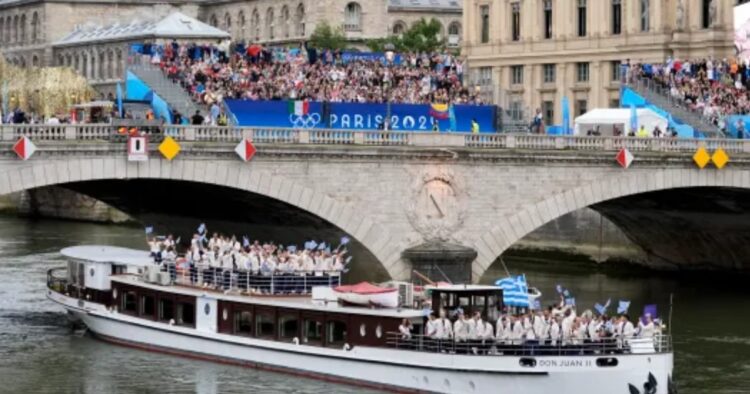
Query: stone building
(30,28)
(528,54)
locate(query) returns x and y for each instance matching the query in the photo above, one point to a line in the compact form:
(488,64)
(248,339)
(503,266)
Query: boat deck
(299,301)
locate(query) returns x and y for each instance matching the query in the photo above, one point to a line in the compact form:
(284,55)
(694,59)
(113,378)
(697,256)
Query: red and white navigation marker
(624,158)
(24,148)
(245,150)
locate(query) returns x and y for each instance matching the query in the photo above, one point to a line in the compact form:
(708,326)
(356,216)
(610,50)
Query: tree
(327,37)
(422,36)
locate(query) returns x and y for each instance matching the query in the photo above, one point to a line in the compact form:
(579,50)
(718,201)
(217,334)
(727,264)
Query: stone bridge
(395,192)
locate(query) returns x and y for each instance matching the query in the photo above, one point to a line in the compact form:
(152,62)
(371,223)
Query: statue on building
(712,13)
(680,15)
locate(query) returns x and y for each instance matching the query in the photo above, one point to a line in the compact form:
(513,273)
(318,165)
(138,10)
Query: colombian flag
(439,111)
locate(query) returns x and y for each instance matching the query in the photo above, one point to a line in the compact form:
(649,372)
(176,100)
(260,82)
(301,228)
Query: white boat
(117,294)
(367,294)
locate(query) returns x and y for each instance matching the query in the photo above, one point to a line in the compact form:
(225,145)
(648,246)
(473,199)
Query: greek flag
(202,228)
(345,240)
(149,230)
(322,246)
(291,248)
(245,241)
(623,307)
(515,291)
(602,309)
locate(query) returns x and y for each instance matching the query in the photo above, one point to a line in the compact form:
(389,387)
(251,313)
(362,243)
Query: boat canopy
(108,254)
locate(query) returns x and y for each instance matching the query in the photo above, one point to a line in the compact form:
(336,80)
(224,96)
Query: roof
(175,26)
(108,254)
(426,4)
(616,115)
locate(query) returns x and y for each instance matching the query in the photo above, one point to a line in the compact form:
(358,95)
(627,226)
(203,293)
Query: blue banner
(137,90)
(359,116)
(347,57)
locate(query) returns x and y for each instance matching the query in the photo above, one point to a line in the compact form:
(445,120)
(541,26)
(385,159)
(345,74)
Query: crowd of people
(223,262)
(710,87)
(213,73)
(537,331)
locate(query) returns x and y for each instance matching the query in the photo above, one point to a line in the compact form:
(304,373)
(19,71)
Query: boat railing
(491,347)
(244,281)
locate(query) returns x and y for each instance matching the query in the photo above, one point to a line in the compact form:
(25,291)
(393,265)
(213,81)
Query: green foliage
(422,36)
(327,37)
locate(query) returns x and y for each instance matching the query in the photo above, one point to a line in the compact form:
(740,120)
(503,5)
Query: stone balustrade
(100,132)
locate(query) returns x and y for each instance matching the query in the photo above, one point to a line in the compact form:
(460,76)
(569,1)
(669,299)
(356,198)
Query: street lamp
(389,56)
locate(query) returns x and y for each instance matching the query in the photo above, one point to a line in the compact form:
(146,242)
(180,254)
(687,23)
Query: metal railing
(249,282)
(491,347)
(49,135)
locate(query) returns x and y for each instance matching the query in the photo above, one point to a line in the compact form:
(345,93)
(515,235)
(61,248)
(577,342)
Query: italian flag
(299,107)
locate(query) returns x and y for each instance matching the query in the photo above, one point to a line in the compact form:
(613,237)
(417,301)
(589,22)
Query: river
(40,353)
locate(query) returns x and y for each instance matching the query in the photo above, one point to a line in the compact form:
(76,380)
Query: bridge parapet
(105,133)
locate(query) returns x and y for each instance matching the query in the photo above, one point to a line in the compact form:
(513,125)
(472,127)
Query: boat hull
(390,369)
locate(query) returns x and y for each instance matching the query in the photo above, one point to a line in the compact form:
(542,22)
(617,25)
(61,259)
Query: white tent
(606,119)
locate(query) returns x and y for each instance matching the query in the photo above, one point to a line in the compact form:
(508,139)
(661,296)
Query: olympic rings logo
(304,121)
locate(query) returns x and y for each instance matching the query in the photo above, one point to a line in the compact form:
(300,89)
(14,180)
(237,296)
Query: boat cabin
(488,300)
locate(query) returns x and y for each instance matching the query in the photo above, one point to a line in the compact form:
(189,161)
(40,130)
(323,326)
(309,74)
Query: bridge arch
(512,228)
(370,234)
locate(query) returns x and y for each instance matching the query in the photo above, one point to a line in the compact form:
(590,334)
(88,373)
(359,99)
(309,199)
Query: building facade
(29,29)
(529,54)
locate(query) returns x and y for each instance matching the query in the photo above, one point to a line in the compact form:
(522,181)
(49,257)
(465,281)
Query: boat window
(185,314)
(527,362)
(243,323)
(379,331)
(362,330)
(606,362)
(313,332)
(336,333)
(147,306)
(129,303)
(288,327)
(166,309)
(264,325)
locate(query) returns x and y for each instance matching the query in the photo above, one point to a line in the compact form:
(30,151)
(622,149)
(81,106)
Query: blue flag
(291,248)
(600,308)
(149,230)
(650,310)
(559,289)
(623,307)
(633,119)
(202,228)
(245,241)
(119,100)
(515,291)
(322,246)
(345,240)
(452,118)
(565,116)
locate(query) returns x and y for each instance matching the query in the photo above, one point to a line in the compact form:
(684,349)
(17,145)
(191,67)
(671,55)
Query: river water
(40,353)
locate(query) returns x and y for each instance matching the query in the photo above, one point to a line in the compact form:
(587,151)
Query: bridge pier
(441,261)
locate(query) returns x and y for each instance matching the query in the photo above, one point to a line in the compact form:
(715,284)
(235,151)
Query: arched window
(2,32)
(101,67)
(76,63)
(399,28)
(60,60)
(213,20)
(34,27)
(285,22)
(454,34)
(110,65)
(35,61)
(645,15)
(22,62)
(269,23)
(241,18)
(8,23)
(85,57)
(228,22)
(68,60)
(299,20)
(15,29)
(352,17)
(23,29)
(255,22)
(118,64)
